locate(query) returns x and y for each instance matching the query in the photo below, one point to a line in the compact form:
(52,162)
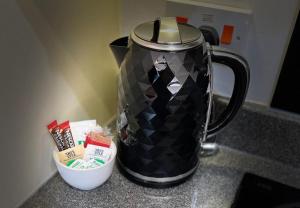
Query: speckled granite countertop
(213,185)
(258,141)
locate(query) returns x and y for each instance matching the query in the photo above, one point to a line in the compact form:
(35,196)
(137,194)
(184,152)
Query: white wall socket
(202,13)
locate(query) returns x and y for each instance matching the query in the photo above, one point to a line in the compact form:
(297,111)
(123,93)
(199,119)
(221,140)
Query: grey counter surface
(258,141)
(214,185)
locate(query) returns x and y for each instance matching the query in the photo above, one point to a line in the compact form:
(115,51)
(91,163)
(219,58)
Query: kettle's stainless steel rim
(166,47)
(158,180)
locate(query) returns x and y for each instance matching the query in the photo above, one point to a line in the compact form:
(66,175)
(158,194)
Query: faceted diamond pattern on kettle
(160,63)
(165,102)
(174,86)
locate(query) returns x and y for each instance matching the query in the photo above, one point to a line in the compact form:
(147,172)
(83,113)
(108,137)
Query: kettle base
(154,182)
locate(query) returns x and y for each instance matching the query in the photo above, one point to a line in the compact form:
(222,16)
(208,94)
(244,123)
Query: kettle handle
(241,72)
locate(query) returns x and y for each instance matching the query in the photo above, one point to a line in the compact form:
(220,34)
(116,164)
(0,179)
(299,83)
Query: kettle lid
(167,34)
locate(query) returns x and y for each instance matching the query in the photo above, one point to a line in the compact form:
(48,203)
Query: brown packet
(54,130)
(65,131)
(73,153)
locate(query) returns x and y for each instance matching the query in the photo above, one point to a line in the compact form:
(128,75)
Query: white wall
(37,87)
(270,28)
(134,12)
(32,94)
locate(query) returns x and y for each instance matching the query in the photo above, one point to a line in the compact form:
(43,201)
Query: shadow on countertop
(262,131)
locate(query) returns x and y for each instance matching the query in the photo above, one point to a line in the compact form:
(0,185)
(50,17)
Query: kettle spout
(119,49)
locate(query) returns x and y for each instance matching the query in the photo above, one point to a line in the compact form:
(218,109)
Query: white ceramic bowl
(86,179)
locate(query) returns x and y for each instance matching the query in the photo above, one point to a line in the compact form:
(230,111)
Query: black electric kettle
(165,98)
